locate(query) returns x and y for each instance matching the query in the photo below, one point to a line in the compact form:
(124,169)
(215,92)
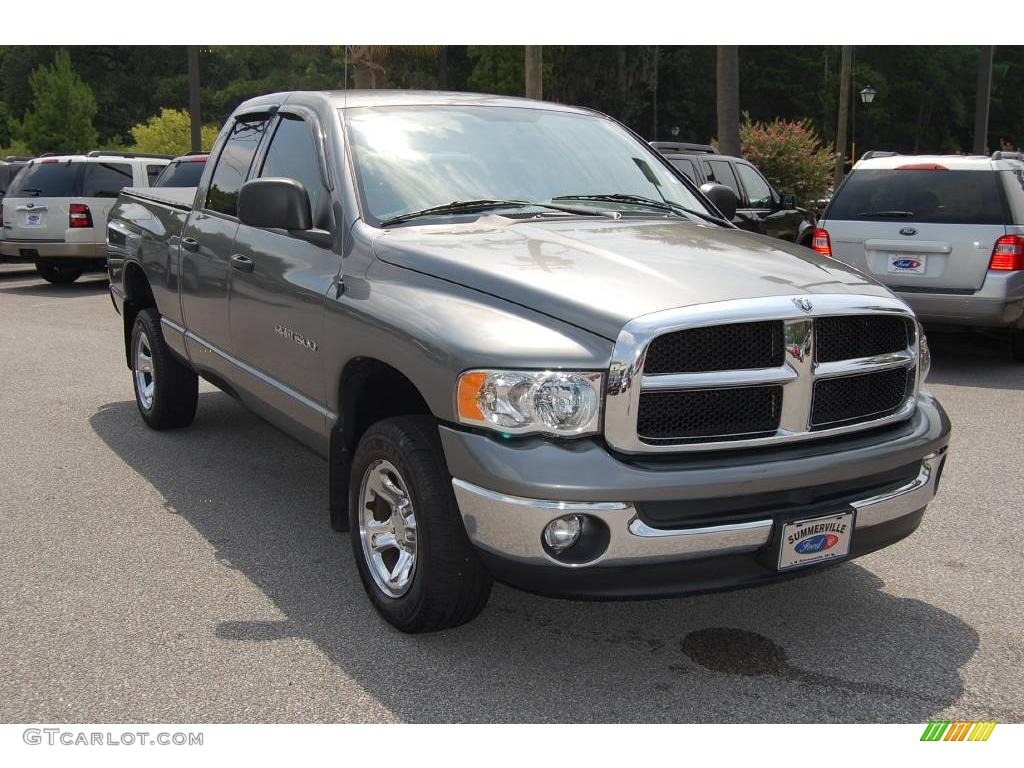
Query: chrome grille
(764,371)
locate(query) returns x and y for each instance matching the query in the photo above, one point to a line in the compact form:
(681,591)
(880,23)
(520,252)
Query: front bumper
(641,560)
(999,303)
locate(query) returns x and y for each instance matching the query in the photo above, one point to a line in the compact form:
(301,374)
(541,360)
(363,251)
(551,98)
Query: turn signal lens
(924,353)
(528,402)
(821,243)
(1008,254)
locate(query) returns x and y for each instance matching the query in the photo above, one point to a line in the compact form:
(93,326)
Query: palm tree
(534,71)
(728,92)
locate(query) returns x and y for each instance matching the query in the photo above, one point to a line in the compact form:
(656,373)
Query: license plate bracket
(810,541)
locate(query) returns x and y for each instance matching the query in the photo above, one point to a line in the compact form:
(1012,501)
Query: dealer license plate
(816,540)
(907,264)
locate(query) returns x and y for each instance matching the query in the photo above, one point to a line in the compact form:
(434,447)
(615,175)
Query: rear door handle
(190,244)
(241,263)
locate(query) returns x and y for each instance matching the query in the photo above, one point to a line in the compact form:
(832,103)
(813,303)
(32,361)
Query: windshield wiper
(887,214)
(471,206)
(666,205)
(32,191)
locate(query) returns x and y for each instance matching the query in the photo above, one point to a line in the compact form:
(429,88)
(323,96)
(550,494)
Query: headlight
(521,402)
(924,353)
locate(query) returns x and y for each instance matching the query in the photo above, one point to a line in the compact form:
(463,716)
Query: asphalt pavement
(191,576)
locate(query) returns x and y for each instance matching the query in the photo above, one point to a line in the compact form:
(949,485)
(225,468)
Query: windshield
(409,159)
(927,196)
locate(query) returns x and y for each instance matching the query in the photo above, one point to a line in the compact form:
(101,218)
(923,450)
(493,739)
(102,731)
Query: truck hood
(598,274)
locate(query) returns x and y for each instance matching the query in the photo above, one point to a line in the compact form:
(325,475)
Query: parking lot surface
(191,576)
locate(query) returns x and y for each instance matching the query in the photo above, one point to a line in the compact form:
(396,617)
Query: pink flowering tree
(791,155)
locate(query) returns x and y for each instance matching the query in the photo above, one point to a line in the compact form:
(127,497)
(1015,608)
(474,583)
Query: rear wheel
(54,273)
(166,391)
(414,557)
(1017,343)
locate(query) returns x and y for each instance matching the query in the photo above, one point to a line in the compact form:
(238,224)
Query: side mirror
(722,197)
(275,204)
(788,202)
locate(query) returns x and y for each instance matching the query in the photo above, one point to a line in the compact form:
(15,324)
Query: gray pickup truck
(529,349)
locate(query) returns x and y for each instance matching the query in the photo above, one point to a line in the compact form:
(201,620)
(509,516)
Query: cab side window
(759,193)
(720,172)
(292,156)
(233,165)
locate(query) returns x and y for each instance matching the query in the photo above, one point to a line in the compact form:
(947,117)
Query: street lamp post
(867,95)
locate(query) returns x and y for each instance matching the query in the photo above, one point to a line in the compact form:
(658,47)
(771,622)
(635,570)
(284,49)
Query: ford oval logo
(817,543)
(908,231)
(906,263)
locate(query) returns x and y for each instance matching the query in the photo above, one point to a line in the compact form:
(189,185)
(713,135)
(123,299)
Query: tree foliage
(790,154)
(63,107)
(170,133)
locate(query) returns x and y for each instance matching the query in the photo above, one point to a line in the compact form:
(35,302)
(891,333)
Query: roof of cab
(395,98)
(951,162)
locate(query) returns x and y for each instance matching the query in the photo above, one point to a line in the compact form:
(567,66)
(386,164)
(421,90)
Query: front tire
(410,545)
(166,391)
(57,275)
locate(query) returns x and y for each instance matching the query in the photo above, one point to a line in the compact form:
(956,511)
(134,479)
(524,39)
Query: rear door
(720,171)
(922,228)
(36,205)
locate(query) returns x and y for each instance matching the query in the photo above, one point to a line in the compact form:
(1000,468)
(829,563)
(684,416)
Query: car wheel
(56,274)
(410,545)
(1017,343)
(166,390)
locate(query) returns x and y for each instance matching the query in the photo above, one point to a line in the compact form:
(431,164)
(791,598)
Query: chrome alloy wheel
(387,528)
(142,367)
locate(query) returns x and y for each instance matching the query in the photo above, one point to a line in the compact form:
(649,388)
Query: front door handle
(190,244)
(241,263)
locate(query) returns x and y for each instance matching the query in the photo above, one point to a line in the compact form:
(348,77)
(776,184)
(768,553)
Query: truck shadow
(87,285)
(830,647)
(973,358)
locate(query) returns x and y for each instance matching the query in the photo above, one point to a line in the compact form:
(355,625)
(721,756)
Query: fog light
(562,532)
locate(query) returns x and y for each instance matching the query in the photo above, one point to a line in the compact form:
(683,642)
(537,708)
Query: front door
(760,203)
(279,282)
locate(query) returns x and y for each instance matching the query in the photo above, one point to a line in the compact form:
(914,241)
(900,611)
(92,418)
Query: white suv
(55,212)
(945,232)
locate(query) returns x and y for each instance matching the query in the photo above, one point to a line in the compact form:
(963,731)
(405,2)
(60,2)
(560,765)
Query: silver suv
(945,232)
(55,212)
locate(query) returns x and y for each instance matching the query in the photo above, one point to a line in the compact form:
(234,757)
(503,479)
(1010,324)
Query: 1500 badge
(298,338)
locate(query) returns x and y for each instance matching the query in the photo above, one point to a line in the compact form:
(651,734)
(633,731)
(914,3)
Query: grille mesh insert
(845,338)
(717,348)
(865,397)
(736,412)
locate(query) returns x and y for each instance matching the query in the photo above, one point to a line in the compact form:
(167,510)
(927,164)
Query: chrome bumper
(511,526)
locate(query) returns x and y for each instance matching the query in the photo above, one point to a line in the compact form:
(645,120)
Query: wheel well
(137,296)
(369,391)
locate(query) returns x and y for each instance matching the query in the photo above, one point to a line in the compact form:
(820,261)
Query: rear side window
(106,179)
(233,165)
(181,173)
(720,172)
(153,173)
(292,156)
(687,167)
(927,196)
(43,179)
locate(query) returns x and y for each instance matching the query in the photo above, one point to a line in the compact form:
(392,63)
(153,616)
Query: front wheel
(166,391)
(410,545)
(58,275)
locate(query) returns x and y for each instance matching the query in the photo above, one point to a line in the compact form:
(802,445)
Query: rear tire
(58,275)
(1017,344)
(410,545)
(166,390)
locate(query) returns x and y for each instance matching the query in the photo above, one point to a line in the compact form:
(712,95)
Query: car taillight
(820,243)
(1008,253)
(79,216)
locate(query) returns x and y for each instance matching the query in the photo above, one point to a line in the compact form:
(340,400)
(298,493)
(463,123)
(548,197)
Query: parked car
(529,350)
(945,232)
(55,212)
(184,171)
(759,208)
(9,168)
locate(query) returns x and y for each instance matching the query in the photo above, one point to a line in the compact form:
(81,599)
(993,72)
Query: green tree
(170,133)
(63,108)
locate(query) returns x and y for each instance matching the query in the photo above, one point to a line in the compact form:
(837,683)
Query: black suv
(759,208)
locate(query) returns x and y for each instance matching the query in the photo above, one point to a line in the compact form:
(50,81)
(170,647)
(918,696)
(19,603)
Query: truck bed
(174,197)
